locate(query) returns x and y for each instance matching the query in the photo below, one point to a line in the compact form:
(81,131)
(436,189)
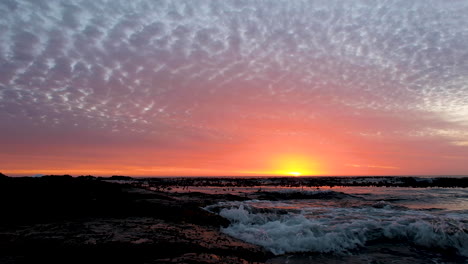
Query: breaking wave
(282,229)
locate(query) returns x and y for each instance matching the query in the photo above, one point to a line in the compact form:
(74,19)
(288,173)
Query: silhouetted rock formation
(61,219)
(55,197)
(120,178)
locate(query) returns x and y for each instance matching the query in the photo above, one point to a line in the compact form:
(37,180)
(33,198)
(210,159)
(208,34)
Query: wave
(384,204)
(299,194)
(267,212)
(341,230)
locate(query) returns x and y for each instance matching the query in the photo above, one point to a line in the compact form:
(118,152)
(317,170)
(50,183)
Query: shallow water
(352,224)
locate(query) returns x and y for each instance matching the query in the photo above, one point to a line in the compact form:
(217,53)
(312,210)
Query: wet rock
(61,219)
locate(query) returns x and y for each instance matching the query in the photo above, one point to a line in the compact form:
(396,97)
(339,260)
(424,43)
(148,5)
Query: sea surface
(350,224)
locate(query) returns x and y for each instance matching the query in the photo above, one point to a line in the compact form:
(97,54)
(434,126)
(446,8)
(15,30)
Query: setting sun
(295,165)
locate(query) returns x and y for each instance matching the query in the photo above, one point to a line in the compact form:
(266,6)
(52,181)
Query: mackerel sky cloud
(229,87)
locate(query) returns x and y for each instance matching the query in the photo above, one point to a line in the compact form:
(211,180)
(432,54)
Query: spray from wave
(340,230)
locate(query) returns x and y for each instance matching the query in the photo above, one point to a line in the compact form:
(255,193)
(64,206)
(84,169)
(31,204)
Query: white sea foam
(338,230)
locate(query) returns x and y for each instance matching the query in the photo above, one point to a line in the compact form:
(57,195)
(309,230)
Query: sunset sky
(278,87)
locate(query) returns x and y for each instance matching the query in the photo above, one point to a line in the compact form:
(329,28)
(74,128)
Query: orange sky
(279,155)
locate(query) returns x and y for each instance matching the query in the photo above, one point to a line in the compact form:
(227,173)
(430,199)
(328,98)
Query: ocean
(350,224)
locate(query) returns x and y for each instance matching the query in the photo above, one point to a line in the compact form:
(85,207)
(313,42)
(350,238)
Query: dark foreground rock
(85,220)
(134,240)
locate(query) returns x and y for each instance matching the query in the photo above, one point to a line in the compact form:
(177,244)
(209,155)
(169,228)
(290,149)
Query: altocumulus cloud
(182,66)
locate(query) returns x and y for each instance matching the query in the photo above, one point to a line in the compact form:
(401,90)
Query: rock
(61,219)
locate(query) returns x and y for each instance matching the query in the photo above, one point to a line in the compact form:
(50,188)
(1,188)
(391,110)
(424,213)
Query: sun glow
(295,165)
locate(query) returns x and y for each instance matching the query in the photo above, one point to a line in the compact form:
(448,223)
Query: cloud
(205,67)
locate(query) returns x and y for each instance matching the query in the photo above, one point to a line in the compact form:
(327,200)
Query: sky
(235,87)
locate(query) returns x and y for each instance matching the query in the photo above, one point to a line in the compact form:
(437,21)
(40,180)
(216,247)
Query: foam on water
(309,227)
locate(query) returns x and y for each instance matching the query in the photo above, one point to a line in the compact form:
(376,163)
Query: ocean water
(351,224)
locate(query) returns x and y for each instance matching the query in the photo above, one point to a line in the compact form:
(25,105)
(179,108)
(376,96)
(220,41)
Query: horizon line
(240,176)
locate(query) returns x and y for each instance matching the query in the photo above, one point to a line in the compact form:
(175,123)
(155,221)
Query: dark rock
(120,178)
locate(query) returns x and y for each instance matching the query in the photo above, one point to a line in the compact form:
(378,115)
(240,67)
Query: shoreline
(88,219)
(75,220)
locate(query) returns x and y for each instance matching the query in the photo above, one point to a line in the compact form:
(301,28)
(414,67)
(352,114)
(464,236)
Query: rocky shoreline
(86,219)
(83,220)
